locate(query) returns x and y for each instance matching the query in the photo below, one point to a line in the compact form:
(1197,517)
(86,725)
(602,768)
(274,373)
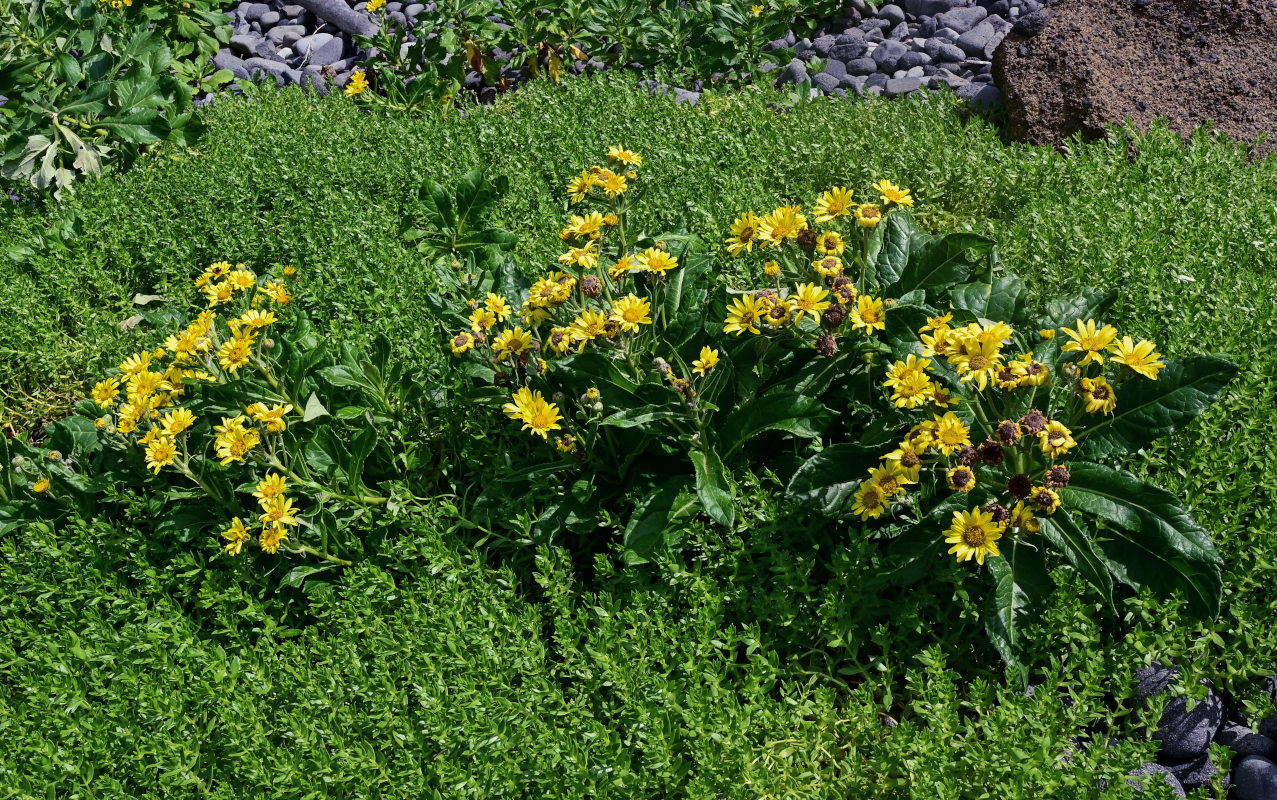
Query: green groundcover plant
(924,428)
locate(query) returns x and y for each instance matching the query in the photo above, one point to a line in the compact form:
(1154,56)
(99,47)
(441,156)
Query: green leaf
(314,408)
(829,479)
(914,553)
(798,414)
(297,575)
(1020,587)
(640,417)
(144,126)
(1152,540)
(1001,300)
(183,522)
(931,262)
(74,435)
(712,487)
(1063,533)
(889,248)
(646,528)
(344,375)
(1148,410)
(686,290)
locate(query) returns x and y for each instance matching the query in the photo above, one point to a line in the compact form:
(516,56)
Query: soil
(1099,61)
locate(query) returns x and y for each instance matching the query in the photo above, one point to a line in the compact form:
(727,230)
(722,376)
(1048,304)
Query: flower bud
(966,455)
(834,316)
(591,286)
(827,346)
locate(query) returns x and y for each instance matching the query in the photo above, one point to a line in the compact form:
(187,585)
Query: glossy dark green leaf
(889,248)
(1002,300)
(829,479)
(74,435)
(640,417)
(921,548)
(798,414)
(314,408)
(183,522)
(1063,532)
(1020,588)
(713,488)
(1150,409)
(645,531)
(1151,539)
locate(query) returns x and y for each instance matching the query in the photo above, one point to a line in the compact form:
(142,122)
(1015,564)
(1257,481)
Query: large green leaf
(936,262)
(712,486)
(640,417)
(828,480)
(799,414)
(646,529)
(917,551)
(1020,587)
(1152,540)
(889,248)
(1002,300)
(1065,312)
(1062,531)
(1148,410)
(686,290)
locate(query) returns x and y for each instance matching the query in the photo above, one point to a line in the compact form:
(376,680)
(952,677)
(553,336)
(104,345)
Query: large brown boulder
(1084,63)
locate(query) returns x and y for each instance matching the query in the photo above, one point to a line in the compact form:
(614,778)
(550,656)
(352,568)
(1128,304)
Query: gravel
(1255,778)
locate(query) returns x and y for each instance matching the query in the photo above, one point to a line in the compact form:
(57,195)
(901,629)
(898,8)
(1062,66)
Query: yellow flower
(357,84)
(278,510)
(512,343)
(757,10)
(481,319)
(219,292)
(702,365)
(830,243)
(828,266)
(237,534)
(540,417)
(744,314)
(891,477)
(744,231)
(520,401)
(374,5)
(1056,439)
(1139,357)
(1047,333)
(139,362)
(580,186)
(177,420)
(868,215)
(235,353)
(588,325)
(592,394)
(160,452)
(1098,394)
(936,323)
(622,266)
(273,486)
(658,261)
(462,343)
(1087,339)
(241,279)
(277,292)
(978,361)
(272,417)
(566,443)
(234,440)
(497,305)
(892,193)
(41,486)
(834,203)
(560,340)
(871,501)
(1047,500)
(906,456)
(961,479)
(611,220)
(105,392)
(868,314)
(253,320)
(620,154)
(1028,371)
(910,386)
(808,298)
(585,257)
(771,269)
(783,223)
(973,534)
(272,537)
(951,433)
(1022,517)
(589,226)
(632,311)
(613,184)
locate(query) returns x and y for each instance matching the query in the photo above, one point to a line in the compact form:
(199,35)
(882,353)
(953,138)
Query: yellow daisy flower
(951,433)
(655,260)
(1056,439)
(744,314)
(868,215)
(834,203)
(973,534)
(512,342)
(893,194)
(808,298)
(1139,357)
(743,234)
(870,501)
(1098,394)
(868,314)
(702,365)
(237,534)
(632,311)
(1089,340)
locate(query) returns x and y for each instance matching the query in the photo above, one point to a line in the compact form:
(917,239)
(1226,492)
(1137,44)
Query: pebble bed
(893,50)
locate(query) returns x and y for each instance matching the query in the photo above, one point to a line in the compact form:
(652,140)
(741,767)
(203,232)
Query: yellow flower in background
(481,319)
(512,342)
(580,186)
(808,298)
(462,343)
(253,320)
(623,265)
(870,502)
(241,279)
(272,537)
(784,223)
(834,203)
(868,215)
(744,233)
(707,361)
(589,226)
(632,311)
(272,417)
(357,84)
(585,257)
(139,362)
(961,479)
(160,452)
(537,415)
(1022,518)
(177,420)
(830,243)
(277,292)
(951,433)
(869,314)
(936,323)
(906,456)
(234,440)
(565,444)
(893,194)
(1089,340)
(560,340)
(374,5)
(909,383)
(41,486)
(1047,500)
(744,314)
(613,184)
(1098,394)
(771,269)
(1139,357)
(588,325)
(237,534)
(273,486)
(278,510)
(1047,333)
(1056,439)
(891,477)
(623,156)
(828,266)
(1029,371)
(658,261)
(520,401)
(757,10)
(973,534)
(105,392)
(219,293)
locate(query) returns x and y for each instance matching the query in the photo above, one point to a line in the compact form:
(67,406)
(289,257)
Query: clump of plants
(226,424)
(92,83)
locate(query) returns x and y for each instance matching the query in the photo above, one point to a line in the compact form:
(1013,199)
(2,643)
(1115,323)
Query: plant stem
(310,551)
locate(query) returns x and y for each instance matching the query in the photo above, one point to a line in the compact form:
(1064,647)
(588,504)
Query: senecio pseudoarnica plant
(225,425)
(961,427)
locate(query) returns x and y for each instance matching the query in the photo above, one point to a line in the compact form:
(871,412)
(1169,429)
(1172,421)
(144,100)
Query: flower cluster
(833,254)
(143,400)
(1018,468)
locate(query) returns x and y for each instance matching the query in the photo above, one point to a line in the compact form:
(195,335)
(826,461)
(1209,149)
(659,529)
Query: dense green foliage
(756,664)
